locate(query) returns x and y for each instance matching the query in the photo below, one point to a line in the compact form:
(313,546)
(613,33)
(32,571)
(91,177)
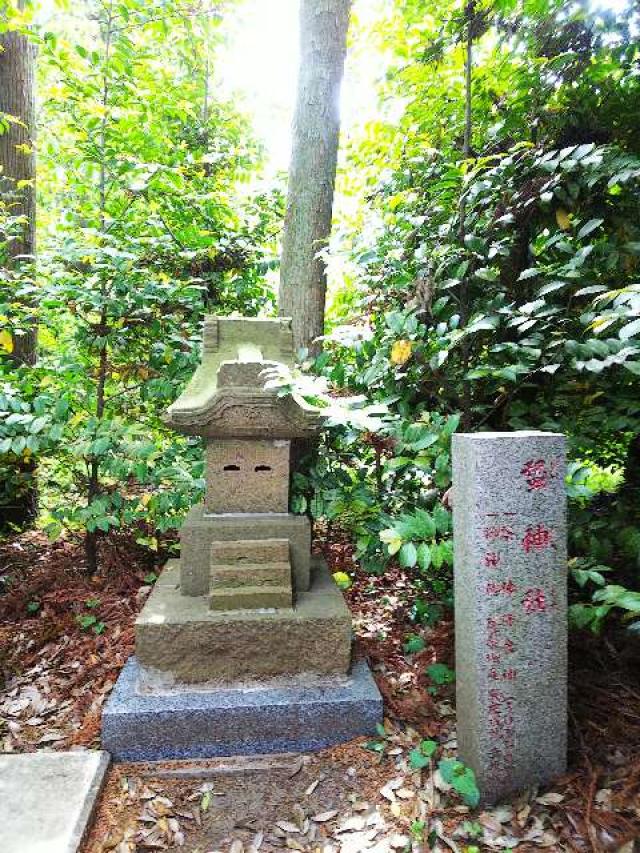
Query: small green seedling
(417,829)
(421,756)
(472,829)
(462,779)
(378,745)
(413,644)
(88,620)
(426,613)
(440,674)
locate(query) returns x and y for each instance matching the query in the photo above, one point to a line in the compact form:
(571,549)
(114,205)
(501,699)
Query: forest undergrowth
(60,662)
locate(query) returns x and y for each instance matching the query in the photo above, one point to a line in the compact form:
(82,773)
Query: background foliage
(147,221)
(492,279)
(499,289)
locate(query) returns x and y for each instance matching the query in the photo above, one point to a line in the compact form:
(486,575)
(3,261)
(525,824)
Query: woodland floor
(56,675)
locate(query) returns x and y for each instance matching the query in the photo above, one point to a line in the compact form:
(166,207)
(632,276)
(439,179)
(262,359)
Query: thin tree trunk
(18,192)
(18,163)
(93,485)
(464,290)
(312,172)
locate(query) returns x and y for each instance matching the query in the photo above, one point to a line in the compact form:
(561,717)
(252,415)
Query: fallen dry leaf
(323,817)
(550,799)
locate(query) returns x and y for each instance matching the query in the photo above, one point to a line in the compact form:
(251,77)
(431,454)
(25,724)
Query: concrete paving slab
(47,799)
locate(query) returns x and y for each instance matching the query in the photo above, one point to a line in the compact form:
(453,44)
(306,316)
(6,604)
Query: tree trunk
(18,192)
(18,162)
(312,172)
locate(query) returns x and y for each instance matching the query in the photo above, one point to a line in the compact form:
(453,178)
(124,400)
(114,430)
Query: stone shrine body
(244,645)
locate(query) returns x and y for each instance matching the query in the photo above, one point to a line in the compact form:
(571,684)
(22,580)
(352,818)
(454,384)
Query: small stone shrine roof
(226,397)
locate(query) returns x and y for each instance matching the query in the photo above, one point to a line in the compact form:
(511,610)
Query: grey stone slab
(509,529)
(182,638)
(201,529)
(47,799)
(237,721)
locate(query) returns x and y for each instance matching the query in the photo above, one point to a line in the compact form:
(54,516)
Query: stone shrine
(244,645)
(510,557)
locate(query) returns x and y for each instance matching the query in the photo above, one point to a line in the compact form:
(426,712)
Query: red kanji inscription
(500,587)
(537,537)
(534,601)
(499,533)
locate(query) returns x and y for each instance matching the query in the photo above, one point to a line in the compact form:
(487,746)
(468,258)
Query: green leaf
(440,673)
(18,444)
(619,596)
(421,756)
(424,556)
(397,462)
(428,747)
(531,272)
(38,425)
(417,760)
(629,330)
(588,227)
(442,518)
(408,555)
(414,644)
(437,557)
(462,779)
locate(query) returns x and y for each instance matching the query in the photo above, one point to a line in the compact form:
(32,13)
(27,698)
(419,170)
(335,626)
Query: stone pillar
(510,557)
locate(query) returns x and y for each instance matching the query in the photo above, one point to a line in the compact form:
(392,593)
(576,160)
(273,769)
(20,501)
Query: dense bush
(496,286)
(146,223)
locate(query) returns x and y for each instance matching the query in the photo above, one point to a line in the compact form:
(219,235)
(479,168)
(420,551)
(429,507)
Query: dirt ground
(58,668)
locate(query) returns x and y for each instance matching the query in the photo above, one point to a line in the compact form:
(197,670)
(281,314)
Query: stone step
(243,551)
(251,598)
(251,574)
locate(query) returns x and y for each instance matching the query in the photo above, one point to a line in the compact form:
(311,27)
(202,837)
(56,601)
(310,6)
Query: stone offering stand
(244,646)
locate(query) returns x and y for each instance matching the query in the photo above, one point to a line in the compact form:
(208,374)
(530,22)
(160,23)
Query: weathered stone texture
(249,551)
(183,638)
(237,649)
(226,397)
(227,335)
(264,597)
(238,584)
(200,531)
(251,574)
(510,607)
(247,476)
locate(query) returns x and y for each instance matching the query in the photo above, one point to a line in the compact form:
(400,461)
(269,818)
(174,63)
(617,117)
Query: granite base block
(237,721)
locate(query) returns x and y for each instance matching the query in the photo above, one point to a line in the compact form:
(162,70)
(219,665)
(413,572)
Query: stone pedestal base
(191,724)
(180,639)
